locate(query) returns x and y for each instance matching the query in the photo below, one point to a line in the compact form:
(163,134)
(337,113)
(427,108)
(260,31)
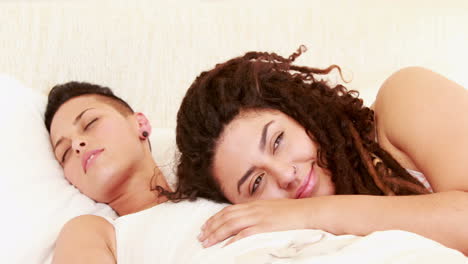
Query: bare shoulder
(86,237)
(418,81)
(425,115)
(91,223)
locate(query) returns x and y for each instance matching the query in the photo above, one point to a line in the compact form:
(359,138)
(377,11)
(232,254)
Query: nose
(78,145)
(283,173)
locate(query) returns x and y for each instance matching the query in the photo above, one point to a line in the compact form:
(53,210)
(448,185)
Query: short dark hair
(61,93)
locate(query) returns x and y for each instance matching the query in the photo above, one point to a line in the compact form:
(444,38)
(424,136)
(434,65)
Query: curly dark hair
(334,118)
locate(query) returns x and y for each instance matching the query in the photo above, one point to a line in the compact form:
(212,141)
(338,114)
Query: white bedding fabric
(150,51)
(37,201)
(167,234)
(35,198)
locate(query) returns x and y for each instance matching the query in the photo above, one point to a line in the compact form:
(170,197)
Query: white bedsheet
(158,49)
(167,234)
(315,246)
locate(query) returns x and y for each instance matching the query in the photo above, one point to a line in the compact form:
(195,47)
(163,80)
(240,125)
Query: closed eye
(90,123)
(65,155)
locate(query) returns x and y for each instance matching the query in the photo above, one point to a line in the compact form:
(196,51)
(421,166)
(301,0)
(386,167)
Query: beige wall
(150,51)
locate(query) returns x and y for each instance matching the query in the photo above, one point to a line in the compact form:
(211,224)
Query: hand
(242,220)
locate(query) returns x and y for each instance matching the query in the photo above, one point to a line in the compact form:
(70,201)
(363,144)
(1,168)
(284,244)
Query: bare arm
(425,116)
(440,216)
(86,239)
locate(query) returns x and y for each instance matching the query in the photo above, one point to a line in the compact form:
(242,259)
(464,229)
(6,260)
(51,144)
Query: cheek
(115,129)
(117,135)
(272,191)
(72,172)
(301,148)
(307,141)
(327,187)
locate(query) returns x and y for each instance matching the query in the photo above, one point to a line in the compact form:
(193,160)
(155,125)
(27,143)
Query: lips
(89,157)
(308,184)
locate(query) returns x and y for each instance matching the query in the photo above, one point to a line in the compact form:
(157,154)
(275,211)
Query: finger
(230,228)
(217,220)
(223,211)
(212,224)
(207,227)
(232,208)
(243,234)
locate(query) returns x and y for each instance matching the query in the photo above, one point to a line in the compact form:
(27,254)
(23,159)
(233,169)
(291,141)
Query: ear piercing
(295,169)
(145,134)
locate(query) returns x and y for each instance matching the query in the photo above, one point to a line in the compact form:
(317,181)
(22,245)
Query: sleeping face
(268,155)
(98,146)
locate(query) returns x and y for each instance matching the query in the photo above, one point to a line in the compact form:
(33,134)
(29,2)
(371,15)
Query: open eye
(90,123)
(278,140)
(256,184)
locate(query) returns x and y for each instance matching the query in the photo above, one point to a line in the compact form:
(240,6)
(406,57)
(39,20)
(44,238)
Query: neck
(137,193)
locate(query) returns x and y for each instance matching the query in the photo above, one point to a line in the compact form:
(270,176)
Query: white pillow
(36,200)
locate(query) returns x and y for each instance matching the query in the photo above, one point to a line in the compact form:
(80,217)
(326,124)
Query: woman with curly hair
(290,151)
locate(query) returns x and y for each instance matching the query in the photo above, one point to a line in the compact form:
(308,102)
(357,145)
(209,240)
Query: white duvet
(37,201)
(167,234)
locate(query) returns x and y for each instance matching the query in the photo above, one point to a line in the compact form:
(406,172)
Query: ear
(143,125)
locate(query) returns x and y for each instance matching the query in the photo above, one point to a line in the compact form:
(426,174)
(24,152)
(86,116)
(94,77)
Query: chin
(111,177)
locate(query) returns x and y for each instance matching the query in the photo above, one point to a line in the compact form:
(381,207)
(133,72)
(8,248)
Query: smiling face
(268,155)
(97,146)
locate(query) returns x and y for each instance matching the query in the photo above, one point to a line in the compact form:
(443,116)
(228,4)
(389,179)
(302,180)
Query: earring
(145,134)
(295,169)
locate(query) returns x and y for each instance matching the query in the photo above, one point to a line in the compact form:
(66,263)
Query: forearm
(440,216)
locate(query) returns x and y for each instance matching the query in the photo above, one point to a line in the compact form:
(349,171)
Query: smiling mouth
(308,185)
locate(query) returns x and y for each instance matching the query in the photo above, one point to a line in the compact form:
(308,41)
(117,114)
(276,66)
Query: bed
(149,52)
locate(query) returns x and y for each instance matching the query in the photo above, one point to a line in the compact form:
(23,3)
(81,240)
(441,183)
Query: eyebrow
(261,146)
(77,119)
